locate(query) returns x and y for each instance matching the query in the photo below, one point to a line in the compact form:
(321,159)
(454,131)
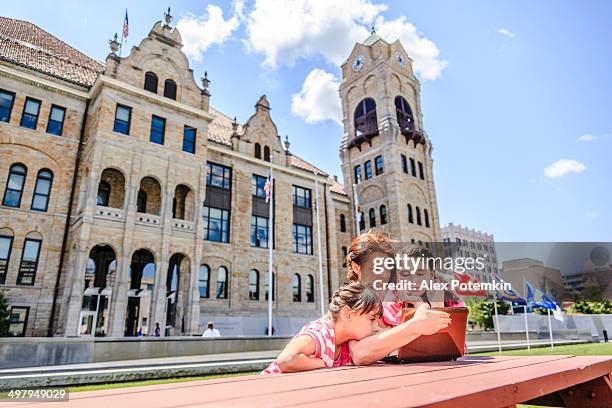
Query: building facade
(467,242)
(129,202)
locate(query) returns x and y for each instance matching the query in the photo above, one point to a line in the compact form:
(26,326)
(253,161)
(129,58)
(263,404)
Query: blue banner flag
(538,298)
(508,295)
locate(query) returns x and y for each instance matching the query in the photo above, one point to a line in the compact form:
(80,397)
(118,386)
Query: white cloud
(506,32)
(590,214)
(199,33)
(562,167)
(318,100)
(586,138)
(287,30)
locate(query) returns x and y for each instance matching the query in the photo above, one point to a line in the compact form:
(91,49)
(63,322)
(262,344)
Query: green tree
(482,311)
(603,307)
(4,316)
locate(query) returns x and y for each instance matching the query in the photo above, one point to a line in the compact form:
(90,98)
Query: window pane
(123,113)
(57,114)
(31,107)
(6,100)
(16,181)
(30,251)
(5,247)
(39,202)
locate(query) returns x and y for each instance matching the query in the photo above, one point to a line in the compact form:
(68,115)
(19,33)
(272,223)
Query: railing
(109,213)
(182,225)
(148,219)
(365,130)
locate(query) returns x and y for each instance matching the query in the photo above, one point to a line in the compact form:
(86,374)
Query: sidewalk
(170,367)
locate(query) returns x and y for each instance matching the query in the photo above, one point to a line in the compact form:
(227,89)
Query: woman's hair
(362,247)
(357,297)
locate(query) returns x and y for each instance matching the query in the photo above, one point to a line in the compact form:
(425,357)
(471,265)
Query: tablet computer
(447,344)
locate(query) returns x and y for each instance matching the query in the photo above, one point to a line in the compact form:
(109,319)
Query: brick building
(128,200)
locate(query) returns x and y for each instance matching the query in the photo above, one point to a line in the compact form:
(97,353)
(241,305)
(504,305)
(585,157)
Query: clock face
(358,63)
(400,60)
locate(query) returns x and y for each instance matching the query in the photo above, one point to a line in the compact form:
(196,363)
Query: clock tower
(386,153)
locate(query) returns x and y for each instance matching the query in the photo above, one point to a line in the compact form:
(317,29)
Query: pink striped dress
(321,331)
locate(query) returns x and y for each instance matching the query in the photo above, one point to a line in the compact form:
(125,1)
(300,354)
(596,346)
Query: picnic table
(472,381)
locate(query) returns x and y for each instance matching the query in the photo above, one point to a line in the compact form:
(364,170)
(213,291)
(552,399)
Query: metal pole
(552,343)
(526,327)
(499,347)
(270,234)
(319,244)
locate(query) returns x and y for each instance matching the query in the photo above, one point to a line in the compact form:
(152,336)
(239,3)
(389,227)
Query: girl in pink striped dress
(353,314)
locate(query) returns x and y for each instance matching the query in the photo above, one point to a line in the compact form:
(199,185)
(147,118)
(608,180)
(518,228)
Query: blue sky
(516,95)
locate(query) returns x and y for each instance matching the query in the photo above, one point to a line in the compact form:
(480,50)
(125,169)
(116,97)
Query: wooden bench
(471,382)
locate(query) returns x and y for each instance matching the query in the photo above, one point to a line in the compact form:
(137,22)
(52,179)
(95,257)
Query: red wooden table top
(472,382)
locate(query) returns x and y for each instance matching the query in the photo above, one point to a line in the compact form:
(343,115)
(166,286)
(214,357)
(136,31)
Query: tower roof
(373,38)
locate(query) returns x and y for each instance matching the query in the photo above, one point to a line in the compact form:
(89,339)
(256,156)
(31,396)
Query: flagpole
(526,327)
(497,325)
(270,234)
(357,215)
(319,243)
(552,343)
(122,34)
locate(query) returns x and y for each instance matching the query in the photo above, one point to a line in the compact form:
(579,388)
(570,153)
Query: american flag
(268,187)
(125,26)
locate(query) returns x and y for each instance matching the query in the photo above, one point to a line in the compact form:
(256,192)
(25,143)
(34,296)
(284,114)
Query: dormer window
(170,89)
(150,83)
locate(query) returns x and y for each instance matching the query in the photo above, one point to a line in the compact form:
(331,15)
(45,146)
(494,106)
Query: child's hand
(426,321)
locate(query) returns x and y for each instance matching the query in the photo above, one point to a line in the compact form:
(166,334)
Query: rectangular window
(123,117)
(258,183)
(31,109)
(412,167)
(302,239)
(367,167)
(18,320)
(189,139)
(158,130)
(259,231)
(219,175)
(6,243)
(421,173)
(358,174)
(301,197)
(404,164)
(42,191)
(55,126)
(378,165)
(6,105)
(29,262)
(216,224)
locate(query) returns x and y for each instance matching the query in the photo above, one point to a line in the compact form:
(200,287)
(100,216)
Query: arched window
(361,221)
(257,151)
(254,285)
(150,83)
(418,215)
(203,279)
(426,214)
(410,216)
(222,283)
(297,288)
(405,119)
(372,215)
(104,190)
(14,185)
(383,214)
(266,153)
(365,119)
(342,223)
(170,89)
(309,289)
(42,190)
(141,202)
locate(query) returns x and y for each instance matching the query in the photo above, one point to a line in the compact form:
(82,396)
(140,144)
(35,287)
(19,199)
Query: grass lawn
(583,349)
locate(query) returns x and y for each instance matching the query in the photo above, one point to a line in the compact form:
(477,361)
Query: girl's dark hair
(356,296)
(365,245)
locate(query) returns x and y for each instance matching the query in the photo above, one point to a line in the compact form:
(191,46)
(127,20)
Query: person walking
(211,331)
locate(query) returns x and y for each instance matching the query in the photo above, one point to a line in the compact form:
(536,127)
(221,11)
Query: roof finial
(168,17)
(373,31)
(114,44)
(205,82)
(287,144)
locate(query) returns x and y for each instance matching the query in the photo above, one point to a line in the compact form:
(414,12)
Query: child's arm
(373,348)
(296,356)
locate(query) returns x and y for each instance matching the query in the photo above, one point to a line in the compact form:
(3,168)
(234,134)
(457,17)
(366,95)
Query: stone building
(129,201)
(467,242)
